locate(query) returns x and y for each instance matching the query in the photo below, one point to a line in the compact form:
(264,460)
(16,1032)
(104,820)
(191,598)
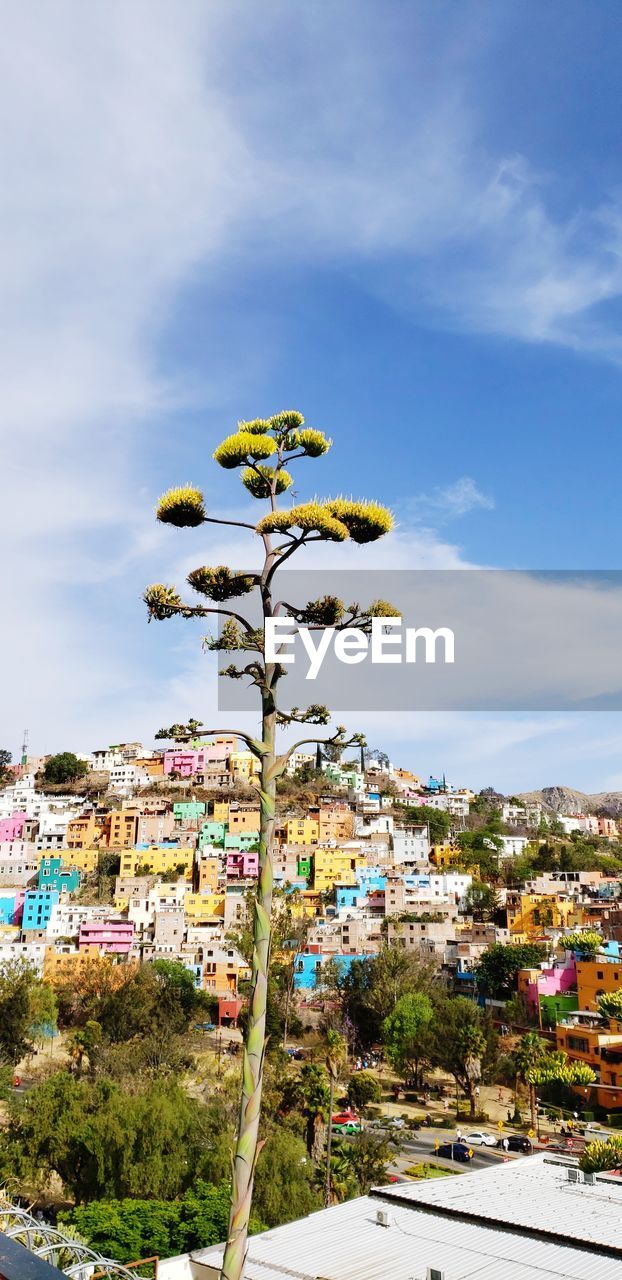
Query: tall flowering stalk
(263,450)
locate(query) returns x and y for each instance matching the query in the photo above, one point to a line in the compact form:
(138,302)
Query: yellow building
(446,855)
(122,826)
(242,820)
(335,866)
(153,765)
(204,906)
(84,859)
(596,978)
(302,831)
(530,913)
(157,860)
(243,765)
(209,870)
(336,824)
(221,811)
(86,831)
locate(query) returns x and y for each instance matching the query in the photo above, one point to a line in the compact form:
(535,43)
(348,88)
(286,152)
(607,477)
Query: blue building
(308,969)
(38,905)
(53,875)
(7,910)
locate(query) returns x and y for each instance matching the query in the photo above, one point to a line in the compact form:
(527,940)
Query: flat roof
(521,1221)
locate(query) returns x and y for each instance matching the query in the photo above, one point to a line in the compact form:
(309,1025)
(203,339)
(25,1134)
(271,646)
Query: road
(421,1147)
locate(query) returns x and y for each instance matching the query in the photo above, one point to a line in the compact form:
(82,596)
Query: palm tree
(336,1058)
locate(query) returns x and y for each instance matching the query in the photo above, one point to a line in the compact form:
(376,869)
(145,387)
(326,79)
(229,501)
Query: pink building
(241,864)
(186,761)
(12,828)
(554,980)
(112,936)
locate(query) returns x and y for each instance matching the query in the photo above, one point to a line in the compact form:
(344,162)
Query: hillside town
(160,859)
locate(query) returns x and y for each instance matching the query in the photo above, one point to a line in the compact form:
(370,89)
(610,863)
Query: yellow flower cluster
(220,583)
(243,445)
(183,506)
(261,485)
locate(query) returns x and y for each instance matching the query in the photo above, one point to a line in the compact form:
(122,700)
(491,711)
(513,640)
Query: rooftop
(523,1220)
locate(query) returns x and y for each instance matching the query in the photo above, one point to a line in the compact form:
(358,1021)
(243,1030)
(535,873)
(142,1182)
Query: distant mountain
(567,800)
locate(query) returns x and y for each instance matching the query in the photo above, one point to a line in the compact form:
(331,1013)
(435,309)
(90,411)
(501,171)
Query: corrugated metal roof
(532,1193)
(347,1243)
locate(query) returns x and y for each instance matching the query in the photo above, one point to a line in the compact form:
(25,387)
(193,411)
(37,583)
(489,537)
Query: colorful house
(38,904)
(115,937)
(54,875)
(242,865)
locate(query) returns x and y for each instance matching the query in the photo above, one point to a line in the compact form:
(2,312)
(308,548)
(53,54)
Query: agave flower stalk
(281,532)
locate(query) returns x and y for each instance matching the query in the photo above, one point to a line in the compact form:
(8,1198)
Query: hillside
(561,799)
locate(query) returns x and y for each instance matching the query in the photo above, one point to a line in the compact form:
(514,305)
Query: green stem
(247,1145)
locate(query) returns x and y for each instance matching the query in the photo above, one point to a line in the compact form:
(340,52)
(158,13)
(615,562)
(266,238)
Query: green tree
(64,767)
(481,900)
(156,998)
(42,1011)
(528,1056)
(406,1033)
(363,1089)
(131,1229)
(5,760)
(610,1005)
(336,1059)
(104,1142)
(283,439)
(284,1180)
(360,1163)
(599,1157)
(17,981)
(500,963)
(437,821)
(460,1044)
(371,988)
(587,941)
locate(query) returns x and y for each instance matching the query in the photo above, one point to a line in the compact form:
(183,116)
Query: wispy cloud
(444,504)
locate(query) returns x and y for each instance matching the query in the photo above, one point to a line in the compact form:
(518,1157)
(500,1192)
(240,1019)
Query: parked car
(347,1126)
(516,1142)
(456,1151)
(393,1122)
(479,1138)
(344,1117)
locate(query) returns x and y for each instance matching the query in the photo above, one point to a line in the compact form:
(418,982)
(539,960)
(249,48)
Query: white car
(479,1138)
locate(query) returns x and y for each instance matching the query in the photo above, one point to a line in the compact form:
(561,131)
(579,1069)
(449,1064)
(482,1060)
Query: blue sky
(405,220)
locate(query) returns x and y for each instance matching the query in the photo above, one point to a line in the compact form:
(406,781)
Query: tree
(282,532)
(361,1162)
(309,1092)
(460,1044)
(500,963)
(17,981)
(406,1033)
(481,900)
(598,1157)
(105,1142)
(284,1187)
(130,1229)
(587,941)
(528,1056)
(42,1011)
(371,988)
(363,1089)
(64,767)
(5,760)
(156,998)
(336,1059)
(610,1005)
(437,821)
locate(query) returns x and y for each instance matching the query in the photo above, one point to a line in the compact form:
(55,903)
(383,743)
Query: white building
(299,760)
(513,846)
(126,779)
(585,822)
(521,815)
(411,844)
(373,824)
(530,1219)
(455,803)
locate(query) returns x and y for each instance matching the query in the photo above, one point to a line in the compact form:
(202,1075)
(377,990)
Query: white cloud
(145,143)
(449,503)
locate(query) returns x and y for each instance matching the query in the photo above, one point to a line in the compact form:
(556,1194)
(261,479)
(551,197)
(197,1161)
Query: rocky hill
(566,800)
